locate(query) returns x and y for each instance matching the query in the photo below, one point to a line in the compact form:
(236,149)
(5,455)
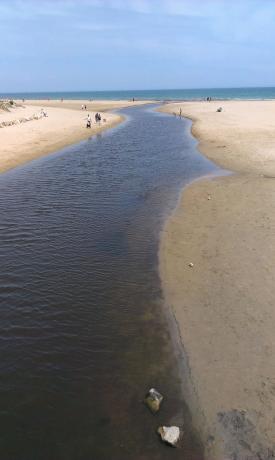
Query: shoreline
(64,125)
(223,304)
(222,137)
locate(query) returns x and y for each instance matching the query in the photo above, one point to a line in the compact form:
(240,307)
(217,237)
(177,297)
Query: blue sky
(135,44)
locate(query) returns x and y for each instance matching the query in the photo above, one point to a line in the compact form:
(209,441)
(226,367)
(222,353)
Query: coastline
(223,305)
(65,125)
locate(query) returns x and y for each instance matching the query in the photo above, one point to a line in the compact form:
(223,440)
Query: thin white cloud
(96,27)
(31,8)
(188,8)
(61,7)
(170,7)
(200,8)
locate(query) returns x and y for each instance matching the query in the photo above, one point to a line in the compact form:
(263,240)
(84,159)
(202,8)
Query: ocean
(158,94)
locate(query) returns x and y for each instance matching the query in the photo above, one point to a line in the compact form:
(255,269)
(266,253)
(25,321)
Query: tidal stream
(83,334)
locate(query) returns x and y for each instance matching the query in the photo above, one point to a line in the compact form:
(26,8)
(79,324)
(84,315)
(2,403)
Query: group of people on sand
(89,120)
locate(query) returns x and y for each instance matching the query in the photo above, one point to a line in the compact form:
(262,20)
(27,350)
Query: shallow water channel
(82,330)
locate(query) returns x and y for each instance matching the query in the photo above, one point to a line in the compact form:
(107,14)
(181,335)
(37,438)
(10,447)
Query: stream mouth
(83,335)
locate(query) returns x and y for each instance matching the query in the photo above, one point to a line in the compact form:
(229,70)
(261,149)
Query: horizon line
(137,90)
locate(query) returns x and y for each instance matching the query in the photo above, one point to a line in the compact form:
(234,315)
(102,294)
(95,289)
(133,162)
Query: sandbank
(224,304)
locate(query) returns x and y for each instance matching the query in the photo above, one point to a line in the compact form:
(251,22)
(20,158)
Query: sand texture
(64,125)
(224,304)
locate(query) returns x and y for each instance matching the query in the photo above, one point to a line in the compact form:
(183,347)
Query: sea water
(158,95)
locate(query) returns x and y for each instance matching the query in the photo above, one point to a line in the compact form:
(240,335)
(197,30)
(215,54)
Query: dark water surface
(82,332)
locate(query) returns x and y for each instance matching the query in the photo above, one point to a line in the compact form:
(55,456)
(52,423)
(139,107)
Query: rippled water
(82,333)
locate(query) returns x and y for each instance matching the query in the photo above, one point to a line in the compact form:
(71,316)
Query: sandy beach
(64,125)
(241,138)
(76,104)
(224,302)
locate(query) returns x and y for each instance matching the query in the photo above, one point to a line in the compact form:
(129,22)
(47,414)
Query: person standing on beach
(89,121)
(180,113)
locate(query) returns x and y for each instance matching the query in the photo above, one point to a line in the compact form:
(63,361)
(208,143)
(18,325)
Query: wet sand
(64,125)
(224,303)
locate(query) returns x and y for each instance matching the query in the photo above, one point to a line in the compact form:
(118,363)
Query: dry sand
(65,125)
(225,304)
(93,106)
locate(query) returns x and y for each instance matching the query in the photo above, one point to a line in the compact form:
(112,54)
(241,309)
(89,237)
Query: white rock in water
(170,434)
(191,265)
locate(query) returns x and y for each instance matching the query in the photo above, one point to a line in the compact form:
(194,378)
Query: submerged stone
(153,400)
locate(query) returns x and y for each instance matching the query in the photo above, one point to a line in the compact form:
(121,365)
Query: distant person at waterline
(89,121)
(97,117)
